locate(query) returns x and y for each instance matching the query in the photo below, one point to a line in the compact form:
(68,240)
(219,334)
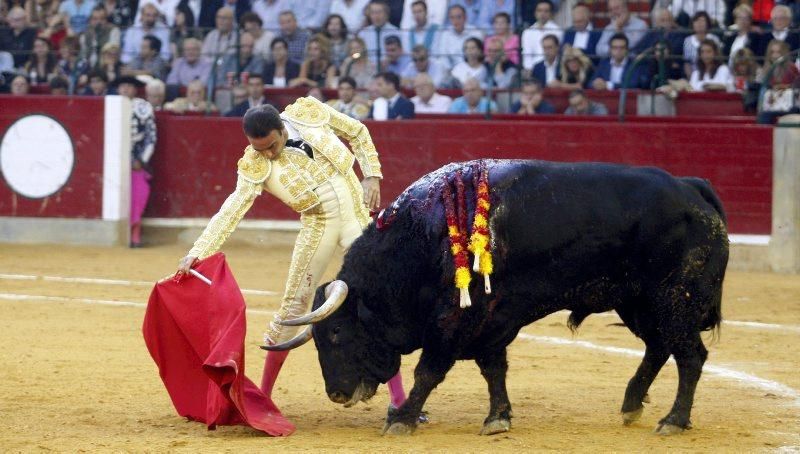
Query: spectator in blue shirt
(396,60)
(473,100)
(78,12)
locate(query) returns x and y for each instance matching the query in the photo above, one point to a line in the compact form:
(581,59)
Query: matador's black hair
(261,120)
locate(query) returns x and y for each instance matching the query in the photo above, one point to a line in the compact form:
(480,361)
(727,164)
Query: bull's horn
(335,294)
(294,342)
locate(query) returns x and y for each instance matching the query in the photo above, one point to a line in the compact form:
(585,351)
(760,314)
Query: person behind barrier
(532,101)
(426,99)
(580,104)
(391,105)
(348,103)
(254,98)
(576,70)
(711,74)
(143,144)
(473,101)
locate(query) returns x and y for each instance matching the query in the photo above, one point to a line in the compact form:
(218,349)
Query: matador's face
(271,145)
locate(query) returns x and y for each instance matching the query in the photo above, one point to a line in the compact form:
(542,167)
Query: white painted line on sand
(765,326)
(100,281)
(737,323)
(18,277)
(749,380)
(64,299)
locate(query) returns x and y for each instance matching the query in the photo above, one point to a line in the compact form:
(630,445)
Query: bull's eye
(336,331)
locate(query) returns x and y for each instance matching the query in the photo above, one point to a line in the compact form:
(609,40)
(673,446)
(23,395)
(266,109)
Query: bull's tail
(703,186)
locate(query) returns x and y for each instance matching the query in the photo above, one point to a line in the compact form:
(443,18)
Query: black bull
(587,238)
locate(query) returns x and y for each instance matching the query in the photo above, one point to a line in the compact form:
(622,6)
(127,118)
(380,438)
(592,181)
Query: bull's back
(577,218)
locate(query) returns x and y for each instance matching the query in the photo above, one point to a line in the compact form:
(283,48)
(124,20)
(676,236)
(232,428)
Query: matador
(297,157)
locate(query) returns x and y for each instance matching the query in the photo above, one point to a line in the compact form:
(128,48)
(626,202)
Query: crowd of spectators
(208,55)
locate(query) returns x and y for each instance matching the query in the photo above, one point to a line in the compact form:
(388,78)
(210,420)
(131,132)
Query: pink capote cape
(195,333)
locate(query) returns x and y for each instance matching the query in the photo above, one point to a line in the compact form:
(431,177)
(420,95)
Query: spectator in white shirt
(436,13)
(375,34)
(472,66)
(269,11)
(166,9)
(682,10)
(352,11)
(422,31)
(472,9)
(222,40)
(426,99)
(451,41)
(311,14)
(252,23)
(150,26)
(711,74)
(701,25)
(532,37)
(622,21)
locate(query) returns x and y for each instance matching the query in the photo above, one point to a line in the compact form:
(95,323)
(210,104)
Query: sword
(197,274)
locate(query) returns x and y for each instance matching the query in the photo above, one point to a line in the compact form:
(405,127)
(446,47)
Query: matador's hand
(372,192)
(185,265)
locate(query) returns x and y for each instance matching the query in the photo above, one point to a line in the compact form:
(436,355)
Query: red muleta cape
(195,333)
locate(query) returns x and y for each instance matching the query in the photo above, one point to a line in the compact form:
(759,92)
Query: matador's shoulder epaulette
(307,111)
(253,166)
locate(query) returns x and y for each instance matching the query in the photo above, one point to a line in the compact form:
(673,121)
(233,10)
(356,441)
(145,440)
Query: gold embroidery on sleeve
(225,221)
(357,134)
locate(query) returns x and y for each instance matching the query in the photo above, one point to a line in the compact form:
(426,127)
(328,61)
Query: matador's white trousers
(337,221)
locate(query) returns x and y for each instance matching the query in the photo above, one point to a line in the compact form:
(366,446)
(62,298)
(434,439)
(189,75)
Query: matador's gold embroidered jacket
(292,177)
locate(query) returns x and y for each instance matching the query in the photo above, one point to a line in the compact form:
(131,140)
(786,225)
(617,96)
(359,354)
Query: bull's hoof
(670,429)
(630,417)
(398,429)
(496,426)
(646,398)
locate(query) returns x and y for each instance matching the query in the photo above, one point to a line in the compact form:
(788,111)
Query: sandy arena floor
(76,375)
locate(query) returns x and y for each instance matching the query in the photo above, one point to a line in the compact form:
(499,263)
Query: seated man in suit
(255,97)
(611,72)
(391,105)
(547,70)
(581,34)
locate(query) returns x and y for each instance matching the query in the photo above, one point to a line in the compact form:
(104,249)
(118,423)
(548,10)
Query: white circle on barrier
(36,156)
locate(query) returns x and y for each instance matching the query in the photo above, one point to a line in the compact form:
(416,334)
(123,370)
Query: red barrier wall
(82,195)
(196,158)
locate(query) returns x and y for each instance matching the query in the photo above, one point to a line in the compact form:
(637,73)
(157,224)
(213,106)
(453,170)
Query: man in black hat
(143,143)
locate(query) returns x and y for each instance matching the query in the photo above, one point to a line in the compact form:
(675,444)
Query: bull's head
(353,362)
